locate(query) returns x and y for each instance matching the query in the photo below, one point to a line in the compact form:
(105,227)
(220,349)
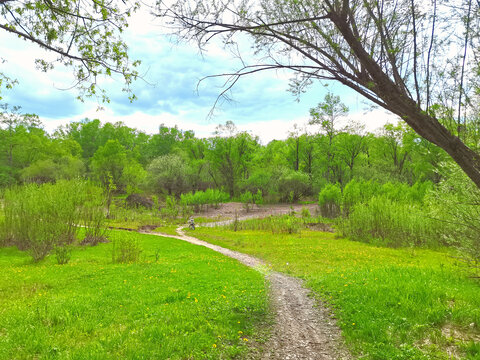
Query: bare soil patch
(303,328)
(232,209)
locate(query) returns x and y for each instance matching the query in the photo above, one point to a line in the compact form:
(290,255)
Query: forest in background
(390,188)
(175,161)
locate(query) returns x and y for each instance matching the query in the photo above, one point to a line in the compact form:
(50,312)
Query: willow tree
(417,59)
(84,35)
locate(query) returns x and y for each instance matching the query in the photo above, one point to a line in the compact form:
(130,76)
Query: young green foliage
(180,301)
(389,303)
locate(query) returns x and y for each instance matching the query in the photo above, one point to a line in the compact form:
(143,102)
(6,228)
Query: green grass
(167,229)
(390,303)
(179,301)
(204,220)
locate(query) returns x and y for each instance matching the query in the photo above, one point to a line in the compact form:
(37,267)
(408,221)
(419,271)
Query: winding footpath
(303,329)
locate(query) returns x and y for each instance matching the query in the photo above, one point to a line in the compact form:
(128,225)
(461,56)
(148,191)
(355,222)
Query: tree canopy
(85,35)
(419,60)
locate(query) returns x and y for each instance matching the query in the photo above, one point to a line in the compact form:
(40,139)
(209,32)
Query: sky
(170,92)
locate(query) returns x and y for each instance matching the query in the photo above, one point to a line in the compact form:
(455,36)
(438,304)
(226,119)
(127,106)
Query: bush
(247,200)
(258,197)
(358,192)
(63,254)
(171,207)
(168,174)
(260,180)
(388,223)
(404,192)
(456,206)
(40,217)
(139,200)
(293,185)
(305,214)
(276,224)
(125,249)
(92,213)
(329,200)
(202,199)
(50,170)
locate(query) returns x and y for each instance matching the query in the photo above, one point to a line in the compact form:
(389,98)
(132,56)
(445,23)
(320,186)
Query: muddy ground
(232,209)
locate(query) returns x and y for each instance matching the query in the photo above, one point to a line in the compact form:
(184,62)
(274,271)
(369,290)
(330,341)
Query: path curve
(302,329)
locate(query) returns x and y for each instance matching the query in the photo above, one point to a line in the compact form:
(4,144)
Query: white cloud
(374,119)
(262,104)
(268,130)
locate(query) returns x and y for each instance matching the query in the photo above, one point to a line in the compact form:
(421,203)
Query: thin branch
(430,52)
(59,50)
(467,33)
(415,55)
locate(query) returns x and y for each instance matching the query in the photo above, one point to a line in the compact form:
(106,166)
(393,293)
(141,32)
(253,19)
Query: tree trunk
(297,162)
(396,100)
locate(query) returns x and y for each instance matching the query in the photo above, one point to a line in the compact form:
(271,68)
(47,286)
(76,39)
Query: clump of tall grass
(37,218)
(330,200)
(389,223)
(361,191)
(286,224)
(171,208)
(126,248)
(389,214)
(200,200)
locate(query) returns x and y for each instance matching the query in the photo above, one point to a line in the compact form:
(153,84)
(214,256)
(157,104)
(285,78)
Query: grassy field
(167,229)
(390,303)
(179,301)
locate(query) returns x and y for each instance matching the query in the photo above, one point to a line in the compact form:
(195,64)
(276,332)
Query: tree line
(174,161)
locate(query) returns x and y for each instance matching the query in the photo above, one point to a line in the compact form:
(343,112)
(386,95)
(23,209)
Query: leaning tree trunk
(432,130)
(396,100)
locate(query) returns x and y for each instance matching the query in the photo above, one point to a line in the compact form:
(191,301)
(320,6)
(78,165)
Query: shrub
(358,192)
(260,180)
(258,197)
(456,206)
(40,217)
(293,185)
(51,170)
(276,224)
(93,214)
(137,200)
(63,254)
(247,200)
(305,214)
(125,249)
(329,200)
(171,207)
(202,199)
(388,223)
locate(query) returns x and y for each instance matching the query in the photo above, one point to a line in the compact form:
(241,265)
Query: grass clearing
(390,303)
(179,301)
(167,229)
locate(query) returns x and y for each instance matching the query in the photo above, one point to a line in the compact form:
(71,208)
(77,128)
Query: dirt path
(302,329)
(232,209)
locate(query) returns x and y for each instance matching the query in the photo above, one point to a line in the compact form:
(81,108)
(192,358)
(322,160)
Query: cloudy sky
(261,103)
